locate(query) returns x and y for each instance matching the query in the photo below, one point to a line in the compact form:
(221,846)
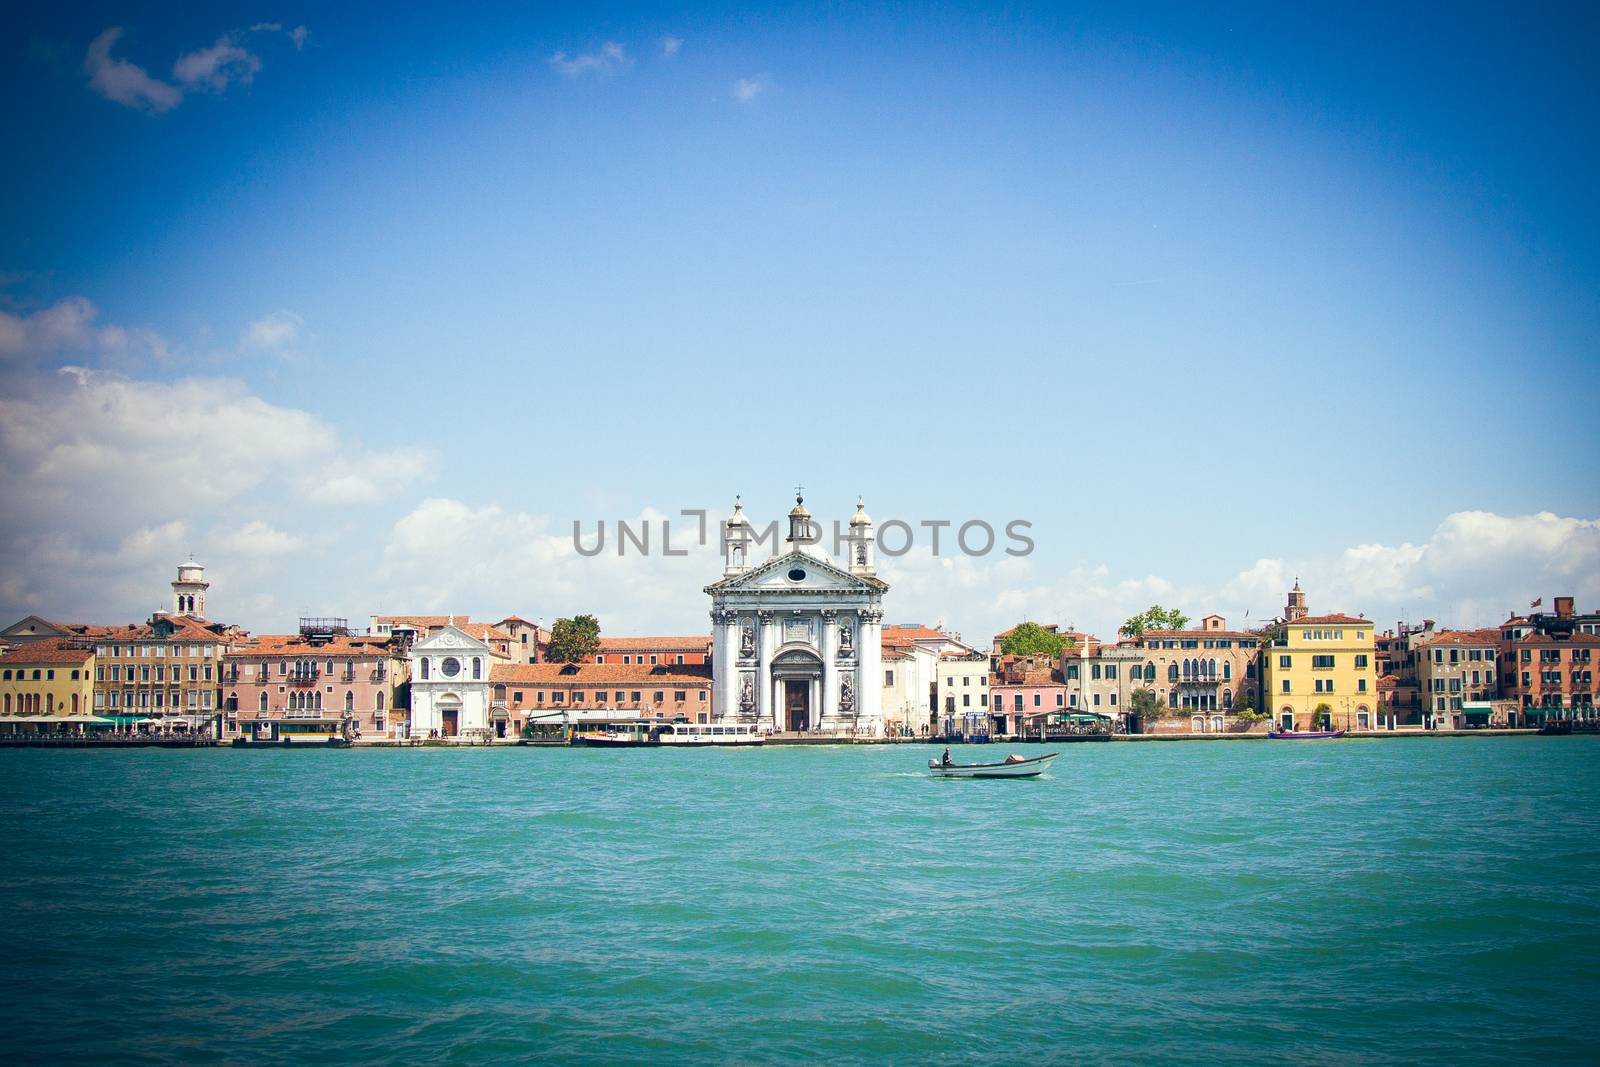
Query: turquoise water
(1357,902)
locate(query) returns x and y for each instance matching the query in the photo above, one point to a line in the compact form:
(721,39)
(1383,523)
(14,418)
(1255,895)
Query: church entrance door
(450,720)
(796,697)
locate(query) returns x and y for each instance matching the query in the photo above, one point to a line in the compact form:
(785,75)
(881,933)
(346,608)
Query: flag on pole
(1537,603)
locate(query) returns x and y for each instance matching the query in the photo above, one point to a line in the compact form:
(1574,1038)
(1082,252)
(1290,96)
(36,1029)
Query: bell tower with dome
(189,590)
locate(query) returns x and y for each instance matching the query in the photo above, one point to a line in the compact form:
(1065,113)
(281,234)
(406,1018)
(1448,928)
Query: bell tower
(1296,608)
(189,590)
(736,541)
(861,541)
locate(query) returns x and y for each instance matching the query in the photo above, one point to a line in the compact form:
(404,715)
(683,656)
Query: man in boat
(945,759)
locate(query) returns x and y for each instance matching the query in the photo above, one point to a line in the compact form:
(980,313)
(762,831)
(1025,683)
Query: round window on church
(796,574)
(450,667)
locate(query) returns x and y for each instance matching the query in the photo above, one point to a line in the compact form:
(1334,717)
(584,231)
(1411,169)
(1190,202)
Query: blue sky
(1193,292)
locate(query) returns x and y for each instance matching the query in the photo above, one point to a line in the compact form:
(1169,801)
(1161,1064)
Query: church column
(725,665)
(765,645)
(828,703)
(869,654)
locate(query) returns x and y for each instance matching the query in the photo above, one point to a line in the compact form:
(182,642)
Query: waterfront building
(1319,670)
(1399,694)
(915,658)
(795,639)
(322,673)
(1457,672)
(1025,690)
(1547,664)
(1203,674)
(654,651)
(450,684)
(549,694)
(46,684)
(961,691)
(528,640)
(170,666)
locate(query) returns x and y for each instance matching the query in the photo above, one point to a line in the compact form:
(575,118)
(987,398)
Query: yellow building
(46,684)
(1318,673)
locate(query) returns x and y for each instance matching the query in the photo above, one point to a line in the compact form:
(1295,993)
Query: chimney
(1563,607)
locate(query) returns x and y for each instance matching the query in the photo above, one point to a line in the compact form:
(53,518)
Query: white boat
(704,735)
(1010,767)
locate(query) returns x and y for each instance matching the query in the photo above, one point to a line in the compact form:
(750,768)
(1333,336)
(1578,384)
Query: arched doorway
(797,689)
(450,716)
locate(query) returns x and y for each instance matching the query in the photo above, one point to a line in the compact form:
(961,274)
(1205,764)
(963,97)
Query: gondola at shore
(1305,735)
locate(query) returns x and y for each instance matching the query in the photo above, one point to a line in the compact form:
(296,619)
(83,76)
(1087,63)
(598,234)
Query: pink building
(1023,689)
(317,675)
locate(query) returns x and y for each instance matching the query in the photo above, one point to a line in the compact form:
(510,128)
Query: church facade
(795,639)
(450,685)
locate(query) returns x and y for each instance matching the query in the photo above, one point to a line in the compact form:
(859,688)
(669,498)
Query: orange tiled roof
(1463,637)
(598,673)
(691,643)
(267,645)
(184,628)
(1164,634)
(1336,619)
(912,631)
(47,650)
(426,622)
(483,631)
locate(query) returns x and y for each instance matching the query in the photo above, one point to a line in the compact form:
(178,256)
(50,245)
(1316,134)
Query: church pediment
(449,639)
(798,572)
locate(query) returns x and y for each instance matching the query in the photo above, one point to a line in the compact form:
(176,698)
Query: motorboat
(1011,767)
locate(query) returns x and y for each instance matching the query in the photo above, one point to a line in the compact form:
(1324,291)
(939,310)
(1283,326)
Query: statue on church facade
(846,642)
(747,640)
(847,694)
(747,694)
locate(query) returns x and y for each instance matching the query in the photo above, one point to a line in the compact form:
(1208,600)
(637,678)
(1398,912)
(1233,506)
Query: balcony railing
(303,678)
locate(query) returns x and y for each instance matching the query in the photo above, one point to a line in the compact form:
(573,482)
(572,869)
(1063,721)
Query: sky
(364,308)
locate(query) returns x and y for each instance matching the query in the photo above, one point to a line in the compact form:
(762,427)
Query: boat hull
(1305,735)
(1028,768)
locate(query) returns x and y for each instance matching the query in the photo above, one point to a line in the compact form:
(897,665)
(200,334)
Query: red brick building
(1547,664)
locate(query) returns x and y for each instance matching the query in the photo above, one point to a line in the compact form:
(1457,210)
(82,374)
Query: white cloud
(213,68)
(452,556)
(670,45)
(366,477)
(218,66)
(124,82)
(256,540)
(747,89)
(68,328)
(278,333)
(87,455)
(611,56)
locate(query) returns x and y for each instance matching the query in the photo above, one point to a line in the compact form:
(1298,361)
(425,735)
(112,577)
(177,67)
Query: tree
(1147,706)
(1247,714)
(1322,716)
(1031,639)
(1155,617)
(575,639)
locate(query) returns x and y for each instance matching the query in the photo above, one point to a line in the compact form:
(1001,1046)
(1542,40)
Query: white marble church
(795,639)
